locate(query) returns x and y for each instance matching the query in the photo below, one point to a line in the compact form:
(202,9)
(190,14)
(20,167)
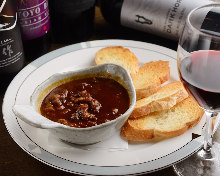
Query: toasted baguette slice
(164,124)
(120,56)
(149,78)
(168,96)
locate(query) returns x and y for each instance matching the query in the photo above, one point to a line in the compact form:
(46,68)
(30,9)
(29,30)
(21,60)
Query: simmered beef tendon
(85,97)
(85,103)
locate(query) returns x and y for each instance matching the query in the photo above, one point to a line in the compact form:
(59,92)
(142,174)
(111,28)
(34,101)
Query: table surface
(15,162)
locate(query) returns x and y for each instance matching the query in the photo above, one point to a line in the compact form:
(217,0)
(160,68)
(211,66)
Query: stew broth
(86,102)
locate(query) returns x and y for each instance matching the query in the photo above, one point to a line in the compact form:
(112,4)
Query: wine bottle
(72,21)
(11,49)
(35,26)
(165,18)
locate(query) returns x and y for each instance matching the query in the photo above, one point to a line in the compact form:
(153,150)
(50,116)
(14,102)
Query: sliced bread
(163,124)
(150,77)
(168,96)
(120,56)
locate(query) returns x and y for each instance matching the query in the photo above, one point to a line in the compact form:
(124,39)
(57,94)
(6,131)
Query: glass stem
(209,131)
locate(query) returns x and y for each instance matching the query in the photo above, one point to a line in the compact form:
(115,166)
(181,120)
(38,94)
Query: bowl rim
(132,96)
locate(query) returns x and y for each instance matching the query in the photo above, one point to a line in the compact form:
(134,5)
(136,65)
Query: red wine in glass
(200,74)
(199,70)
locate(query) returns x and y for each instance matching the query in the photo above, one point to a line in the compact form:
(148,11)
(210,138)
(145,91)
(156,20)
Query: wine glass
(199,70)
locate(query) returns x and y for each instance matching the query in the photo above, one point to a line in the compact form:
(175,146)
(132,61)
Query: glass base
(196,165)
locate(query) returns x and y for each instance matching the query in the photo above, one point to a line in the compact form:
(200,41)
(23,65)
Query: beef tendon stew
(86,102)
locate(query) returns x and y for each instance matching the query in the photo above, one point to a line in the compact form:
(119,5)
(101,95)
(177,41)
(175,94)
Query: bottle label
(9,53)
(34,18)
(161,17)
(11,50)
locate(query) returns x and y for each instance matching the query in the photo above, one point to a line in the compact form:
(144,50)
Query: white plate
(137,159)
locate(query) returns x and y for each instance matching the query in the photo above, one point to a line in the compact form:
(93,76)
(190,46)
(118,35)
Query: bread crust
(148,90)
(120,56)
(168,96)
(139,130)
(149,78)
(174,133)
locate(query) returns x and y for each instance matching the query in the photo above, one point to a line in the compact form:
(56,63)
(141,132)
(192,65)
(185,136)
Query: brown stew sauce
(86,102)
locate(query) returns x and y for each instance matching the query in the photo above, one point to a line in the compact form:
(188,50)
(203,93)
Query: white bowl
(31,115)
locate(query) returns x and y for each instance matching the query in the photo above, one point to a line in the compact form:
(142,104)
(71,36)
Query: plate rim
(72,48)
